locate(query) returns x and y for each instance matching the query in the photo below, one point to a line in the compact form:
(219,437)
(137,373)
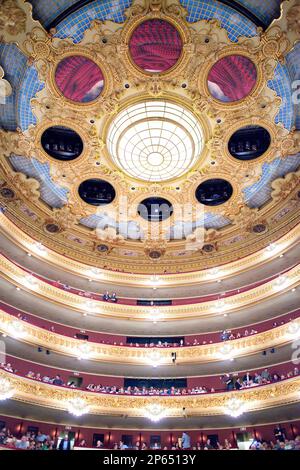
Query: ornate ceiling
(123,103)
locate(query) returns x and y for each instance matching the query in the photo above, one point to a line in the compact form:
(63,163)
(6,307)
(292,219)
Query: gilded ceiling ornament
(65,217)
(275,44)
(247,217)
(12,19)
(195,241)
(38,46)
(202,239)
(109,234)
(290,144)
(107,44)
(283,187)
(63,174)
(292,17)
(154,87)
(29,187)
(143,7)
(5,87)
(9,142)
(154,248)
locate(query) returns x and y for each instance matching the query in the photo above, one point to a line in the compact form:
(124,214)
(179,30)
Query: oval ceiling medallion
(155,254)
(155,140)
(62,143)
(214,192)
(155,209)
(7,193)
(259,228)
(232,78)
(155,46)
(96,192)
(249,143)
(51,227)
(79,79)
(102,248)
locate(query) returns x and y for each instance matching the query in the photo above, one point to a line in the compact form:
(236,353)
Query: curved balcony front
(142,409)
(233,304)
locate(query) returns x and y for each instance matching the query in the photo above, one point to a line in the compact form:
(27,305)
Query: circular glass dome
(155,46)
(155,140)
(79,79)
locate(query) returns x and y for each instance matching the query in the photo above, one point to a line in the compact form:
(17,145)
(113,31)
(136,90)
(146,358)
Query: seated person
(58,380)
(23,443)
(106,296)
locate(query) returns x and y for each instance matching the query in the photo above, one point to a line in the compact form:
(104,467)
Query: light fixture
(214,272)
(155,315)
(281,282)
(226,351)
(154,280)
(234,407)
(154,358)
(293,329)
(16,329)
(83,351)
(155,412)
(271,248)
(220,305)
(30,281)
(6,389)
(94,272)
(77,406)
(91,305)
(39,249)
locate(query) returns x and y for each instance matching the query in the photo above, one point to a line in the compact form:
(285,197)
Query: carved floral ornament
(80,402)
(107,45)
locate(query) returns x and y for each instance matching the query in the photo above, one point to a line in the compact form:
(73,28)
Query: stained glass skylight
(155,140)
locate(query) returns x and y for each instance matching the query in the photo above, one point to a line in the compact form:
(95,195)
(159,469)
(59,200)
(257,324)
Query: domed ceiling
(153,135)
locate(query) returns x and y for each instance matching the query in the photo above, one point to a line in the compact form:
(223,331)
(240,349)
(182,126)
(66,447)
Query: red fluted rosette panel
(155,46)
(232,78)
(79,79)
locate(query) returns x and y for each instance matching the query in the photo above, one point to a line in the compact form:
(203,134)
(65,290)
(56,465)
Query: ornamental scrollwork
(107,44)
(257,398)
(283,187)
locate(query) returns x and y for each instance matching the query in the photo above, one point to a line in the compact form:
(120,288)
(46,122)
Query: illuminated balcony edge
(231,269)
(16,275)
(258,398)
(277,336)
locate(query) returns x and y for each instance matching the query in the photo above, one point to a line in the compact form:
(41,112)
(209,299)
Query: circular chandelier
(77,406)
(6,389)
(155,140)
